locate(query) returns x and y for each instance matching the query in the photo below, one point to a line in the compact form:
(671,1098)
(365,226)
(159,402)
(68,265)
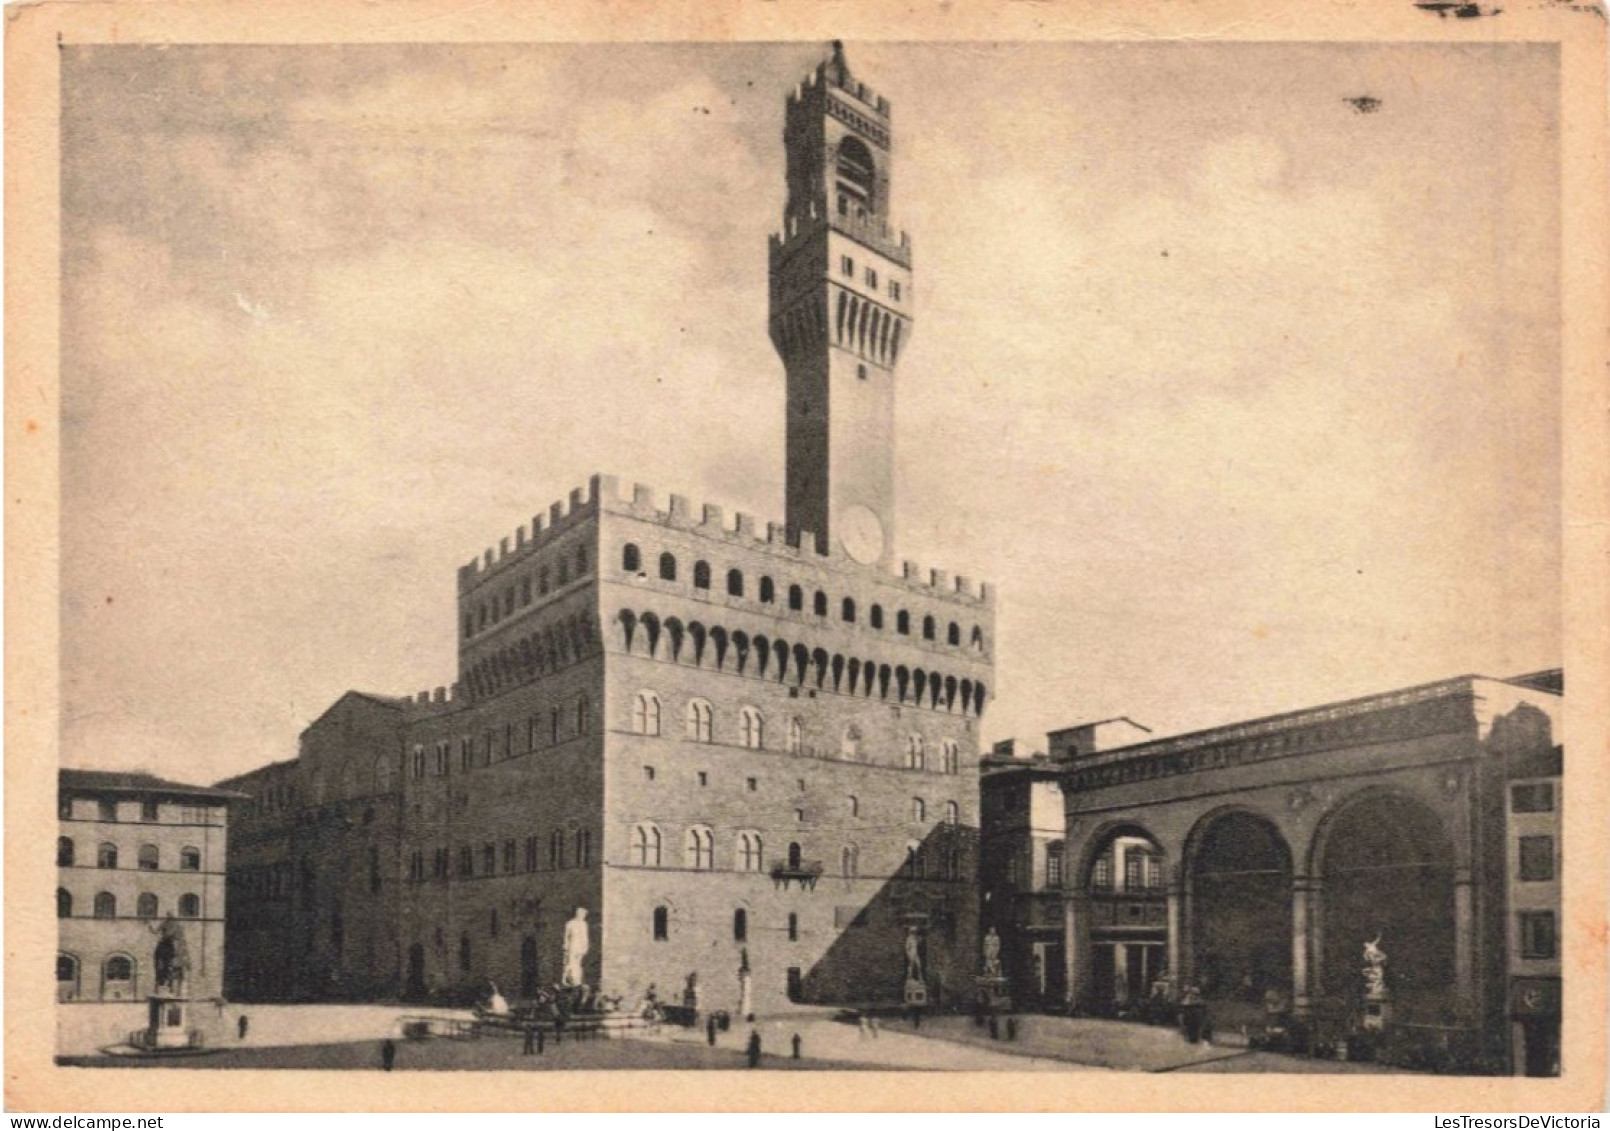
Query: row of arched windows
(148,857)
(543,652)
(699,726)
(736,586)
(648,846)
(761,657)
(117,977)
(560,725)
(145,905)
(554,573)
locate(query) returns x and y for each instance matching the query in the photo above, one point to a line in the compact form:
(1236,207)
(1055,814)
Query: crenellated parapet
(526,542)
(745,533)
(434,701)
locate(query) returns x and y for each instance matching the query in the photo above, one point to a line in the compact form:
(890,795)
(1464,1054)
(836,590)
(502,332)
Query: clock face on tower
(861,534)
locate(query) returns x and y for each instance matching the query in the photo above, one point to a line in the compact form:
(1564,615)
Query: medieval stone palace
(739,747)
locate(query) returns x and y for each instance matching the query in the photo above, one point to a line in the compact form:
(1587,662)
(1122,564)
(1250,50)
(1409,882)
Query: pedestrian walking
(530,1040)
(242,1025)
(754,1048)
(872,1023)
(388,1053)
(1011,1028)
(710,1029)
(865,1031)
(798,1044)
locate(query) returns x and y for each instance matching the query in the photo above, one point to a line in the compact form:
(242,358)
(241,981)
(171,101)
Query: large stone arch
(1237,872)
(1117,926)
(1384,864)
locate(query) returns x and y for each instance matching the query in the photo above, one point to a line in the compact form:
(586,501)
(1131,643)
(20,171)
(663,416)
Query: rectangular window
(489,859)
(1053,870)
(1102,876)
(417,765)
(648,773)
(751,784)
(466,753)
(704,778)
(1532,797)
(531,854)
(847,266)
(508,740)
(894,290)
(486,749)
(466,860)
(1537,934)
(439,864)
(1537,858)
(1132,871)
(871,279)
(531,729)
(148,810)
(441,758)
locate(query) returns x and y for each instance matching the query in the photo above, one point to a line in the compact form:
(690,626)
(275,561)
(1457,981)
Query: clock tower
(840,313)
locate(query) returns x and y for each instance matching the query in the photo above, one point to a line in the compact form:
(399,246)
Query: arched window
(856,177)
(850,744)
(950,755)
(190,859)
(953,813)
(735,583)
(631,558)
(64,903)
(646,846)
(584,715)
(105,905)
(913,865)
(699,849)
(65,852)
(701,575)
(646,713)
(850,861)
(383,774)
(919,809)
(662,923)
(146,906)
(953,634)
(902,623)
(915,757)
(876,616)
(701,721)
(106,856)
(796,598)
(953,864)
(66,975)
(819,604)
(794,854)
(749,852)
(978,638)
(847,610)
(740,925)
(119,968)
(667,566)
(753,728)
(768,591)
(189,906)
(796,736)
(927,628)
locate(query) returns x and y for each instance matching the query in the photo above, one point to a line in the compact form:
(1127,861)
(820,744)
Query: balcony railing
(807,872)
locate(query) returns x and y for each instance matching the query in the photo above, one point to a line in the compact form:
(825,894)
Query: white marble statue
(992,954)
(913,955)
(577,944)
(1374,969)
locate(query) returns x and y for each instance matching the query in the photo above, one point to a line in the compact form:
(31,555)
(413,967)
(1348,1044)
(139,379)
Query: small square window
(1537,934)
(1537,858)
(751,784)
(1532,797)
(648,773)
(704,778)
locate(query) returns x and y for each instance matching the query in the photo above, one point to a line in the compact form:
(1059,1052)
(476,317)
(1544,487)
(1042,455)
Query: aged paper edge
(34,1083)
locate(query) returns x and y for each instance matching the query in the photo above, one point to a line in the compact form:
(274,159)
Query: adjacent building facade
(1259,858)
(133,851)
(735,746)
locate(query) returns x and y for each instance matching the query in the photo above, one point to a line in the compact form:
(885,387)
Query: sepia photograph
(983,554)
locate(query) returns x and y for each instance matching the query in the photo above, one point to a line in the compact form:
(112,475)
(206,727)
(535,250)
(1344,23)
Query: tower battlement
(743,531)
(561,518)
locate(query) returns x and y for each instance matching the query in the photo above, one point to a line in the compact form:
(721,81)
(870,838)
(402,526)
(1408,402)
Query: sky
(1243,393)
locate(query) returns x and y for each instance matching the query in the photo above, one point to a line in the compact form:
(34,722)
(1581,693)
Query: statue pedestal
(994,993)
(169,1023)
(1377,1012)
(916,992)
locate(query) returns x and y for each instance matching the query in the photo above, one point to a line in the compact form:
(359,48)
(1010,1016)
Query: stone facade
(131,851)
(736,745)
